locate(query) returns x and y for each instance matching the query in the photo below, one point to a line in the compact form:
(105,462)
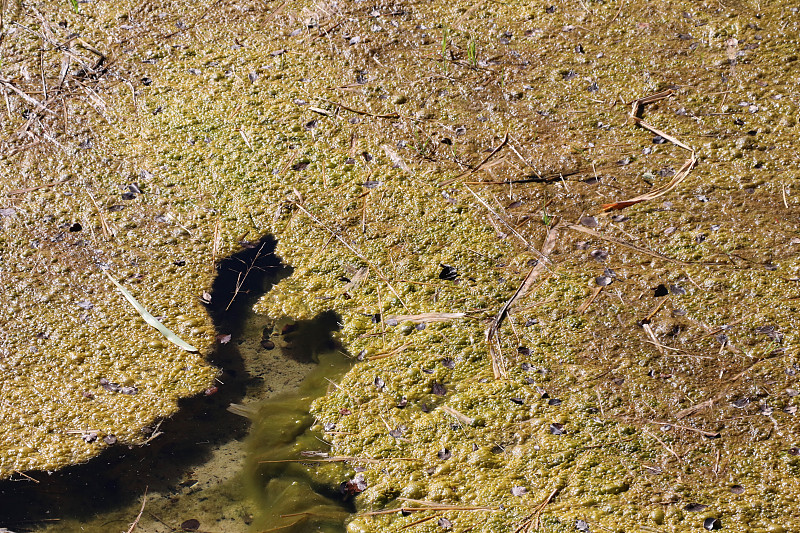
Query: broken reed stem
(498,369)
(684,171)
(352,249)
(340,459)
(437,509)
(139,516)
(358,112)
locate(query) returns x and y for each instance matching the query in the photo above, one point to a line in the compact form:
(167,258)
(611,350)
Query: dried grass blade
(667,136)
(437,509)
(360,275)
(246,411)
(628,245)
(351,248)
(150,319)
(24,96)
(359,112)
(721,394)
(679,177)
(396,159)
(399,349)
(139,516)
(416,522)
(461,417)
(585,305)
(655,97)
(427,317)
(480,165)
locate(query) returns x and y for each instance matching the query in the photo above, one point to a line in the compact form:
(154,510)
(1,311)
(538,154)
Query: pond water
(203,469)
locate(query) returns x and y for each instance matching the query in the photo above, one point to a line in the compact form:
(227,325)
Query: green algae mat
(535,352)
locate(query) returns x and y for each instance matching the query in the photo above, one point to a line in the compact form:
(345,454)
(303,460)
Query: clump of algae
(352,132)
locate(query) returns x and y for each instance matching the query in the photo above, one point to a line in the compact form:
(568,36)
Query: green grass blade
(150,319)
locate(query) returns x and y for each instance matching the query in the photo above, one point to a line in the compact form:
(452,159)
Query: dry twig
(352,249)
(481,164)
(549,244)
(139,516)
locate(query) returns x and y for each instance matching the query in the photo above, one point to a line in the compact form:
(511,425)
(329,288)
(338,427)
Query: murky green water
(203,470)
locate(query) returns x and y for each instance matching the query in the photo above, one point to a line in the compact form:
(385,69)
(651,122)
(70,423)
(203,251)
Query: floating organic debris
(695,507)
(449,273)
(150,319)
(438,389)
(190,525)
(353,486)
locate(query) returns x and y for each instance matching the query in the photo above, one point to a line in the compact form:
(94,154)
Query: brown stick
(139,516)
(491,332)
(477,168)
(359,112)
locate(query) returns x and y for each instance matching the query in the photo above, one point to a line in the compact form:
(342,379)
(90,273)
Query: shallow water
(202,466)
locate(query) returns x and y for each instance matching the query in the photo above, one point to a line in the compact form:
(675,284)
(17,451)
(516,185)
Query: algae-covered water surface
(566,314)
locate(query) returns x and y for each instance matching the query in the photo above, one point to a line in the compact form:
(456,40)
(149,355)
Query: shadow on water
(108,486)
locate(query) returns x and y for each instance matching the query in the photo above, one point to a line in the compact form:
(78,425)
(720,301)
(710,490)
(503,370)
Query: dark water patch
(241,279)
(191,469)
